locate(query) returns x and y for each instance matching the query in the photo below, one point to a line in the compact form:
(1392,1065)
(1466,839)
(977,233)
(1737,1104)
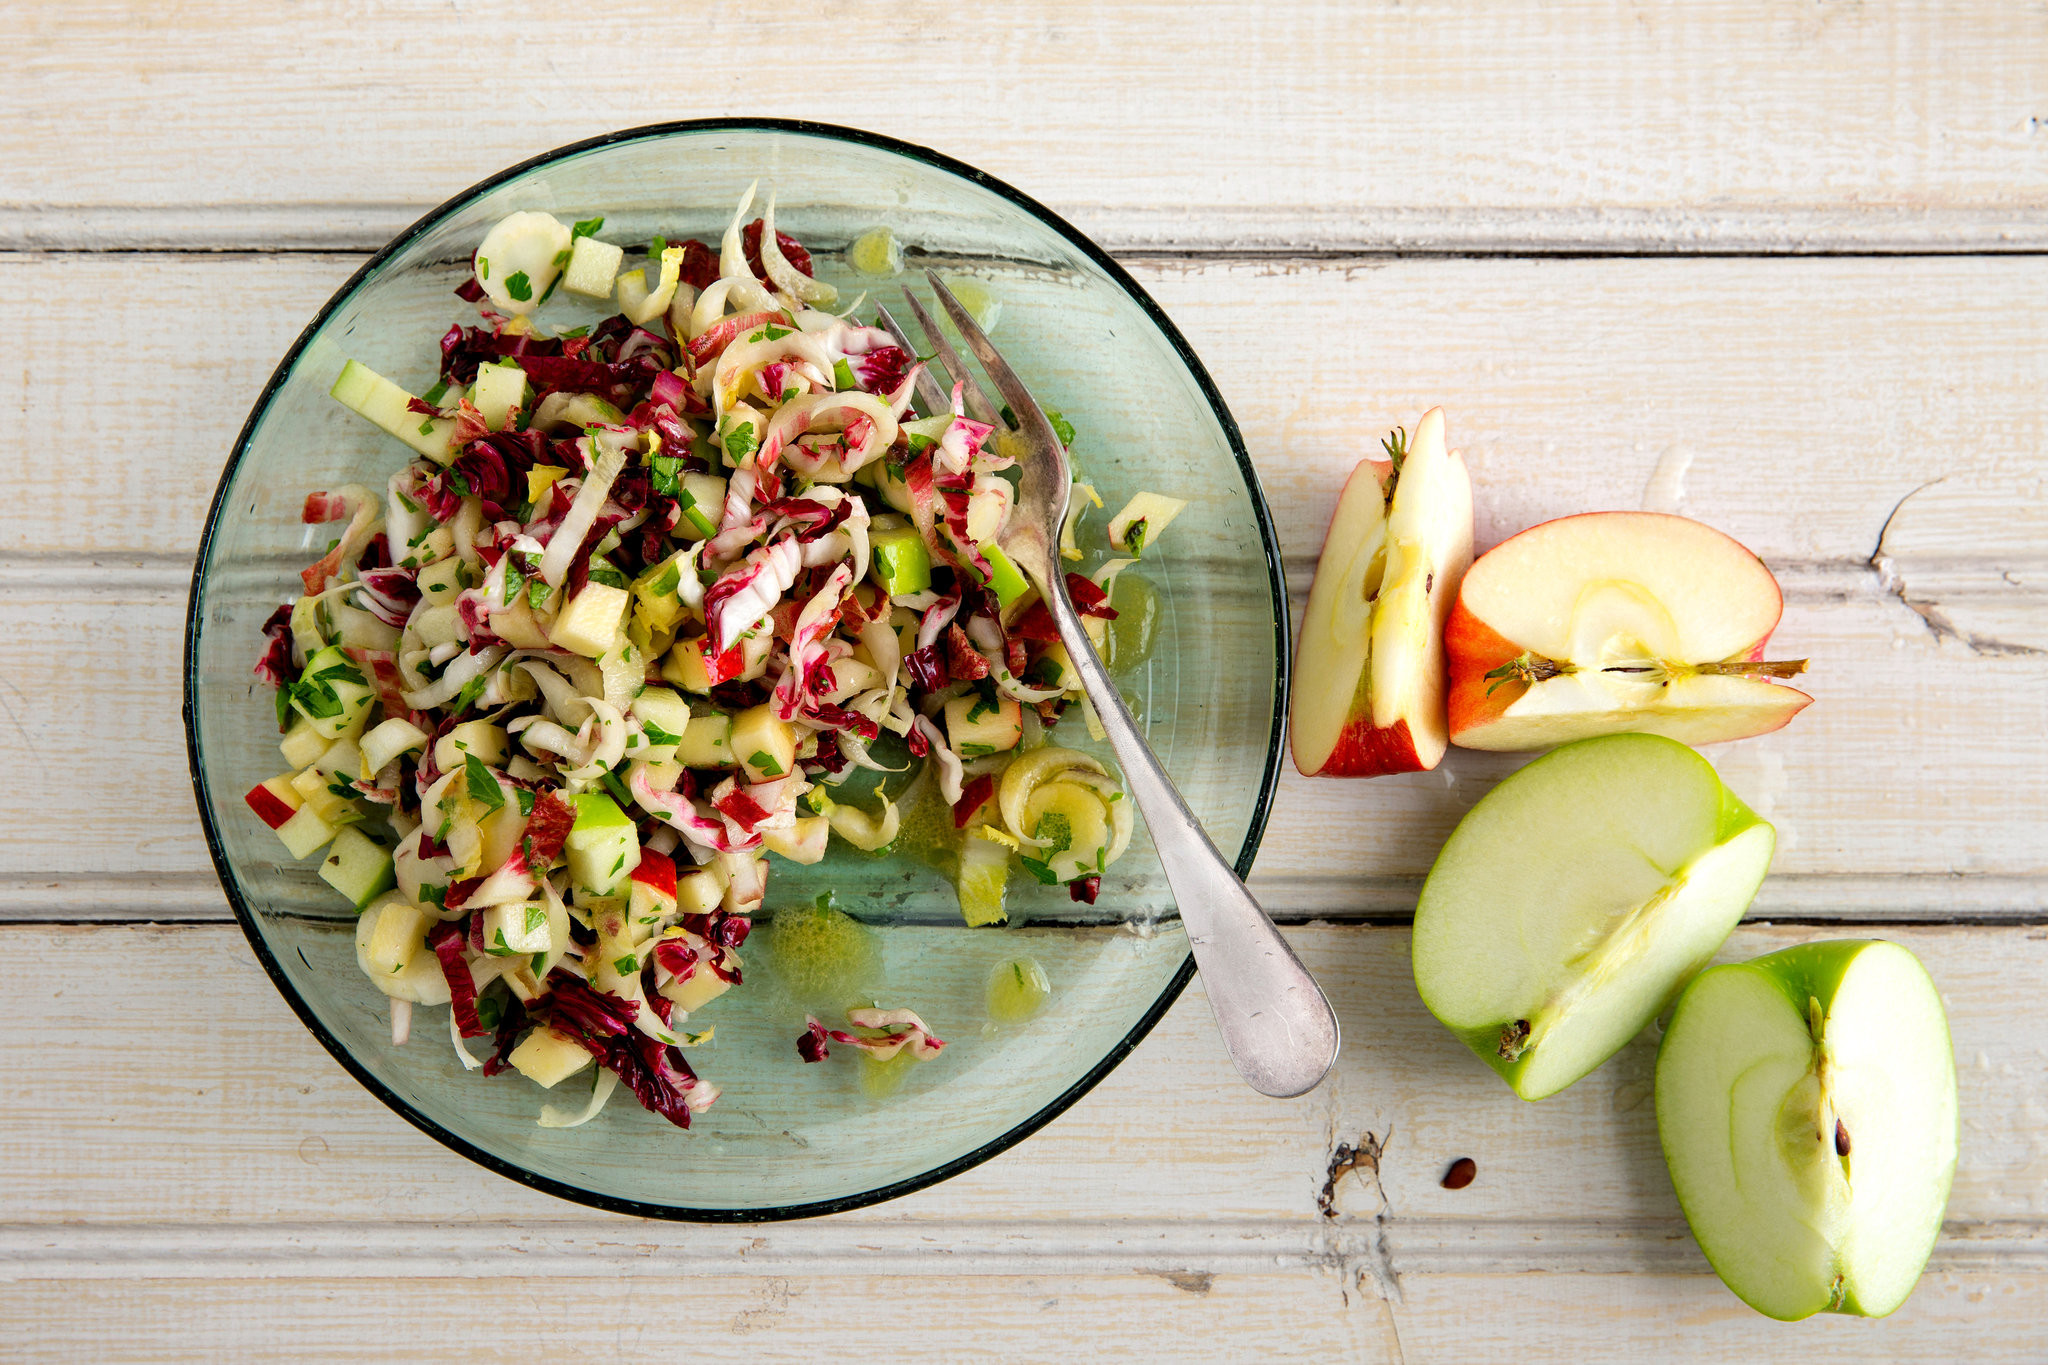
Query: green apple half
(1577,897)
(1807,1106)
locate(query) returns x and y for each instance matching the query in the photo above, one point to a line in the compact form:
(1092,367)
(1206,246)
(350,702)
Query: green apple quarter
(1575,899)
(1806,1102)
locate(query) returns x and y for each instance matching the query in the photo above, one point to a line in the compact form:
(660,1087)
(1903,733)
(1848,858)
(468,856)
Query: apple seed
(1841,1139)
(1461,1173)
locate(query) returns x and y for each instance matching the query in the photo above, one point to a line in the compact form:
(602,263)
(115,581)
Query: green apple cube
(306,832)
(333,694)
(1005,579)
(664,719)
(978,727)
(603,845)
(516,930)
(548,1058)
(369,394)
(707,743)
(593,268)
(396,935)
(902,563)
(1572,903)
(497,391)
(590,622)
(303,744)
(358,867)
(1806,1101)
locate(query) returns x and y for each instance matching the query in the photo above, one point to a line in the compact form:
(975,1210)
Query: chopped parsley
(471,690)
(483,787)
(519,287)
(665,474)
(741,442)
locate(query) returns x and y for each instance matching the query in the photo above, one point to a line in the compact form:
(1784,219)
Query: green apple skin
(1793,1224)
(1640,773)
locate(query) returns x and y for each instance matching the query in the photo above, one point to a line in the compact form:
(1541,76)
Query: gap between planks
(1831,900)
(635,1248)
(1879,230)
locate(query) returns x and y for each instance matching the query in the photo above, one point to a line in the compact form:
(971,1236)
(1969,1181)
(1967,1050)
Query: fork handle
(1276,1023)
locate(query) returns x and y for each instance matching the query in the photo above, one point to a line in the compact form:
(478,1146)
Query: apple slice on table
(1807,1105)
(1615,621)
(1578,896)
(1369,671)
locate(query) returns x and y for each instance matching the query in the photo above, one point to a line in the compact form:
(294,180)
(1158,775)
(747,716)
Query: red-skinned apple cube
(275,801)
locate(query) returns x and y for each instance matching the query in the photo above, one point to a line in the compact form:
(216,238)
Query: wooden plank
(101,823)
(265,1158)
(1577,384)
(1985,1316)
(1720,388)
(1733,125)
(1991,1316)
(1055,1318)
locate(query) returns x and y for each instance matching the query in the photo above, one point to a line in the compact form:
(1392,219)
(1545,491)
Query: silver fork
(1276,1023)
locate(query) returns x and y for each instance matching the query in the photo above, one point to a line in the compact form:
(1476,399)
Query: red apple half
(1616,621)
(1369,671)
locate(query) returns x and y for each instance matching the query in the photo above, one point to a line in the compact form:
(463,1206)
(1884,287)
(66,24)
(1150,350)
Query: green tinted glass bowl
(785,1139)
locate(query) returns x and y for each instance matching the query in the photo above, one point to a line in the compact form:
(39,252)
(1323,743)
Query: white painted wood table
(1776,265)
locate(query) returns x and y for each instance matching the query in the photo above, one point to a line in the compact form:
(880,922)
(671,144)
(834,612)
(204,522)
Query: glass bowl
(785,1139)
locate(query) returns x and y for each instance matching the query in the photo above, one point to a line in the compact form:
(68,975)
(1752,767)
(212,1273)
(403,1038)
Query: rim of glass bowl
(1262,808)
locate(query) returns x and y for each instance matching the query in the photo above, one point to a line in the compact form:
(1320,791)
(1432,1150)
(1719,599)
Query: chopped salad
(645,597)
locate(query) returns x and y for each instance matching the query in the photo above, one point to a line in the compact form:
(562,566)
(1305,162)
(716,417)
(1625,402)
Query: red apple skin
(1472,649)
(1367,750)
(268,808)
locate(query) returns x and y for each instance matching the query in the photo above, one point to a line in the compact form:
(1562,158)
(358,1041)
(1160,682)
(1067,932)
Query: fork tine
(977,400)
(936,397)
(1030,418)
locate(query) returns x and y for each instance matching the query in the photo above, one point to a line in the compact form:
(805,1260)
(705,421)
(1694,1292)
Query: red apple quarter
(1611,622)
(1369,676)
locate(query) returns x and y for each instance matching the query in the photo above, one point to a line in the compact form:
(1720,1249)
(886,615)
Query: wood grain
(254,1129)
(1570,125)
(1720,388)
(1913,580)
(1198,1317)
(276,1197)
(1354,211)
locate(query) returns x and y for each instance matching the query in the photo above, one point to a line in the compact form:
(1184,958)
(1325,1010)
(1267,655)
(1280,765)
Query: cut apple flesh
(1369,675)
(1615,622)
(1573,902)
(1807,1107)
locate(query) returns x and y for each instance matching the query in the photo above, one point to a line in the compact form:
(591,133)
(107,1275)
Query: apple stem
(1529,668)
